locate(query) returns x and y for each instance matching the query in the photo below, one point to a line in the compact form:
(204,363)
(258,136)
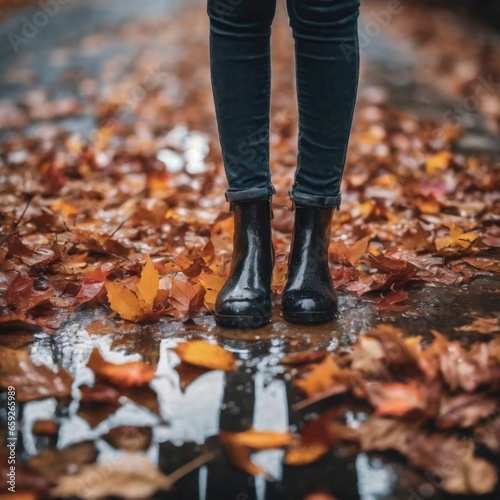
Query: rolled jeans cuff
(251,194)
(311,200)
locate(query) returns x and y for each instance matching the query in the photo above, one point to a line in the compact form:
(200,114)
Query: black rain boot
(245,298)
(309,295)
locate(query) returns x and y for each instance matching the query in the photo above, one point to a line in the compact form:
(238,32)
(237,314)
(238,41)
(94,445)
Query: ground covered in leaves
(116,239)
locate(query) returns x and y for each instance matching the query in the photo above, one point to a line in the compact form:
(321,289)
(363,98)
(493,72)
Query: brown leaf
(32,382)
(52,463)
(465,410)
(397,399)
(45,428)
(134,373)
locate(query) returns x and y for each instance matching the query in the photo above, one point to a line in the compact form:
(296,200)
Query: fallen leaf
(134,373)
(438,162)
(205,355)
(32,382)
(239,446)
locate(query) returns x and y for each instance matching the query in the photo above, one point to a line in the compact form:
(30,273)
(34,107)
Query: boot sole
(310,318)
(241,322)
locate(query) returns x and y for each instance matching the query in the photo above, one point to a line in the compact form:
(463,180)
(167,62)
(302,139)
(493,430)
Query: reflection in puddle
(257,395)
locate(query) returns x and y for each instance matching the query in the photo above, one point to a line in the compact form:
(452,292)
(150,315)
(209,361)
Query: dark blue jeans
(327,67)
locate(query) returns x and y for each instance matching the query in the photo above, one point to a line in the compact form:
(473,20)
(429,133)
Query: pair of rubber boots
(309,296)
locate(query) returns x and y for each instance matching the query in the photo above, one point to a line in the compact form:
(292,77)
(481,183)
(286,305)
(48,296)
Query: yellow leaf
(240,444)
(257,440)
(456,239)
(206,355)
(123,301)
(438,162)
(303,454)
(149,284)
(65,208)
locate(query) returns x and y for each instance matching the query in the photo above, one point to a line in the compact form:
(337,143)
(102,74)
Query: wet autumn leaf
(239,445)
(205,355)
(135,305)
(457,239)
(131,374)
(32,382)
(45,428)
(186,298)
(52,463)
(438,162)
(23,294)
(465,410)
(124,301)
(148,285)
(304,454)
(489,265)
(340,252)
(395,398)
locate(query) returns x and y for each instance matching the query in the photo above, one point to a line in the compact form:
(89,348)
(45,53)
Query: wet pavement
(259,394)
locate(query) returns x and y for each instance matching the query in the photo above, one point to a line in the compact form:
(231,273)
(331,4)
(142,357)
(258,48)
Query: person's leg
(327,67)
(327,62)
(240,62)
(240,65)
